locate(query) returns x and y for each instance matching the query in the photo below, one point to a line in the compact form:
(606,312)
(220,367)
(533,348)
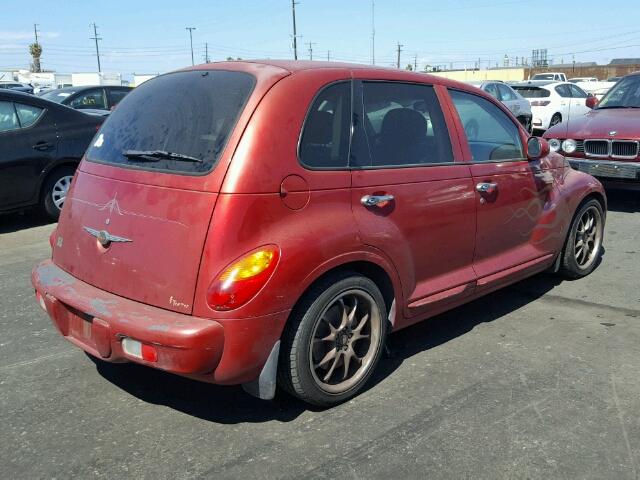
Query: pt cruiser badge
(105,238)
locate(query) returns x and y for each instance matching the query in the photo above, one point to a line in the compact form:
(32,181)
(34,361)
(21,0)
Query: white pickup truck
(550,76)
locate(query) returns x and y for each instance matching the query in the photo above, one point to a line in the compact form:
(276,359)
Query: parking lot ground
(540,380)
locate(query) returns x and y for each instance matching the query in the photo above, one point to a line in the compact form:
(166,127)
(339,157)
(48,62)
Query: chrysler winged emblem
(105,238)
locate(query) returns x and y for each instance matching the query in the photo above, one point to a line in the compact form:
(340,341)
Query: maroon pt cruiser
(270,223)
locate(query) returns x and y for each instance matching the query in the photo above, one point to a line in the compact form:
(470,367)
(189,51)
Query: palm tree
(36,52)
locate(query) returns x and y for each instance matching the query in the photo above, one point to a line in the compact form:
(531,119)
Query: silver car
(519,106)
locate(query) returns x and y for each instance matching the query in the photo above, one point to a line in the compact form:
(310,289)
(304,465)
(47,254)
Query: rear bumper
(225,351)
(607,168)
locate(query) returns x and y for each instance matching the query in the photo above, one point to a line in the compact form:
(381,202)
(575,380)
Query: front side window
(491,134)
(8,117)
(577,92)
(325,137)
(404,125)
(28,114)
(90,99)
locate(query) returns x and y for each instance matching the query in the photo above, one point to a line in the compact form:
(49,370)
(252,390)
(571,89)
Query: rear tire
(55,190)
(583,247)
(334,340)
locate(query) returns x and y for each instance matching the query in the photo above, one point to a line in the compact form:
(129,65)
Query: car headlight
(569,145)
(554,144)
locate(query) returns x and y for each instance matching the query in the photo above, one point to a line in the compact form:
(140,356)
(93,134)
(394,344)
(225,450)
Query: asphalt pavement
(540,380)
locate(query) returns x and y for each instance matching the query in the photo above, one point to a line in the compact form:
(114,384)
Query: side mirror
(537,148)
(591,102)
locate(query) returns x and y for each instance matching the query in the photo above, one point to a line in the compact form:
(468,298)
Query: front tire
(583,247)
(333,340)
(55,190)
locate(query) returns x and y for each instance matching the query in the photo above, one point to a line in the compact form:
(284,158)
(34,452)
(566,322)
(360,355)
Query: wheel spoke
(352,313)
(331,355)
(346,360)
(345,316)
(333,367)
(579,243)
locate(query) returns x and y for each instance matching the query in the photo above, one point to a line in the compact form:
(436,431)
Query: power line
(191,29)
(311,44)
(295,35)
(373,32)
(96,38)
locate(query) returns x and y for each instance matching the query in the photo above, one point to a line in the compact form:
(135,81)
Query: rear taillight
(540,103)
(243,279)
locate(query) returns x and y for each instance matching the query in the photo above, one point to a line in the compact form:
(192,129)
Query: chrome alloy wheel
(60,190)
(588,238)
(345,340)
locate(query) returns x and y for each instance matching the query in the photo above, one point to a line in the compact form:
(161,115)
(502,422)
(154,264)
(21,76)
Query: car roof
(294,66)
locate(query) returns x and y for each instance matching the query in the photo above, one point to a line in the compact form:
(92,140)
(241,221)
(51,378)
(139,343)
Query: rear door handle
(486,187)
(43,146)
(376,200)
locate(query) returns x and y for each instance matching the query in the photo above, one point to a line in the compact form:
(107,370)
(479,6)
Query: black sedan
(41,144)
(18,87)
(96,97)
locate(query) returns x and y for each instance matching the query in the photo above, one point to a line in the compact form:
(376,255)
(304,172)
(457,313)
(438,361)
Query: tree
(36,52)
(409,67)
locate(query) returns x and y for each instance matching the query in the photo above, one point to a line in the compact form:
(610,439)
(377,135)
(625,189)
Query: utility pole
(35,30)
(191,29)
(311,44)
(206,53)
(399,50)
(373,32)
(328,55)
(96,38)
(295,35)
(415,62)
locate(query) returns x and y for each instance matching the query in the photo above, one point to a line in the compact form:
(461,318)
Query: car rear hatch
(137,216)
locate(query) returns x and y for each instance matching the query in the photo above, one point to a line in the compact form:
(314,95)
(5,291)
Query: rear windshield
(189,113)
(532,92)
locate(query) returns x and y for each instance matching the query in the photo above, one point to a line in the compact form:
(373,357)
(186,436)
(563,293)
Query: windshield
(57,96)
(189,113)
(624,94)
(531,92)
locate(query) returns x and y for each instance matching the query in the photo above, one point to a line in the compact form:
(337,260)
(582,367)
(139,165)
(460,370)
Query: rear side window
(325,137)
(491,134)
(28,114)
(404,125)
(116,95)
(506,94)
(492,90)
(188,113)
(8,117)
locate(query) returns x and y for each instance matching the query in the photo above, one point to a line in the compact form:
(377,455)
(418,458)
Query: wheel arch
(66,162)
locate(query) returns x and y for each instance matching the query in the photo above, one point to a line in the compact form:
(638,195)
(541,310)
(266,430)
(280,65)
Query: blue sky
(145,36)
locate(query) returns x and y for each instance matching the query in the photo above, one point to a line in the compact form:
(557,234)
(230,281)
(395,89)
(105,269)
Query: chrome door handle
(375,200)
(486,187)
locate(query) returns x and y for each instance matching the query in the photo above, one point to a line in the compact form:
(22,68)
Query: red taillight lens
(540,103)
(243,279)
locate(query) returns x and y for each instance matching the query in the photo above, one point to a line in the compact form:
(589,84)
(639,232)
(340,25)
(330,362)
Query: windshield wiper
(157,155)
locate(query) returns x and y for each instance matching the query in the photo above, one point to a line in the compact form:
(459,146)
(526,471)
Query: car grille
(580,146)
(596,148)
(624,149)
